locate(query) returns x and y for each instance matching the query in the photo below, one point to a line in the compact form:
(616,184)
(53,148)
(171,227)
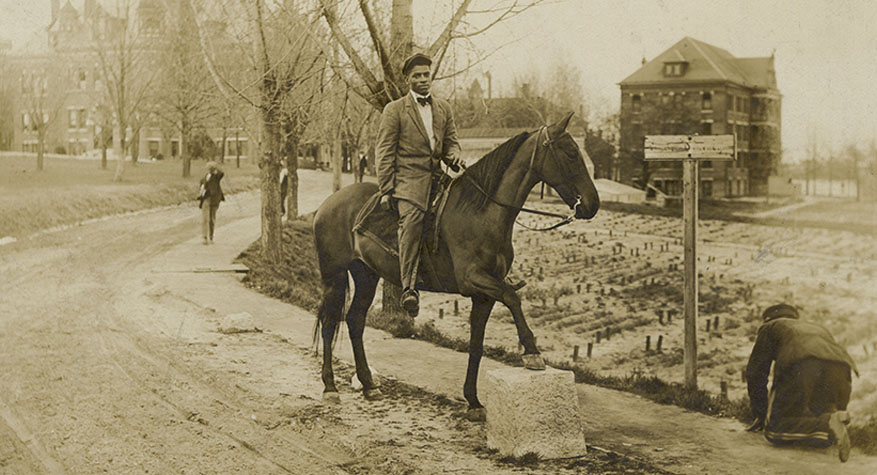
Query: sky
(826,64)
(825,53)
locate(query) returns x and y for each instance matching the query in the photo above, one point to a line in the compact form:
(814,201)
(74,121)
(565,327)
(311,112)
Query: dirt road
(112,362)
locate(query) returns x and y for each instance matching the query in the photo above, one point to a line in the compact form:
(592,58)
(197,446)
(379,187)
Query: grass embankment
(69,191)
(296,281)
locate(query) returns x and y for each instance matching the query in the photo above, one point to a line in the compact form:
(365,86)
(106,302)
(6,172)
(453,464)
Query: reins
(566,219)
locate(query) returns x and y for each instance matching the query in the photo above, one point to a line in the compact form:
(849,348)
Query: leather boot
(411,302)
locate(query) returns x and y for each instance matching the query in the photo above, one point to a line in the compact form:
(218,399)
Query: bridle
(565,219)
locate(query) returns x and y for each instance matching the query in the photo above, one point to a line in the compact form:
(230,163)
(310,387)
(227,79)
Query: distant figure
(363,164)
(811,382)
(284,189)
(210,196)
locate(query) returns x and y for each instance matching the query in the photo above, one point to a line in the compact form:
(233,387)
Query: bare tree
(126,55)
(357,122)
(43,105)
(854,158)
(185,97)
(377,77)
(7,103)
(283,67)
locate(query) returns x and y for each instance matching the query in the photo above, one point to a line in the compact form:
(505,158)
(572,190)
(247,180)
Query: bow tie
(424,100)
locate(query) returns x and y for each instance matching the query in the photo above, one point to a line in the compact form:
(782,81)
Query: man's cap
(779,311)
(414,60)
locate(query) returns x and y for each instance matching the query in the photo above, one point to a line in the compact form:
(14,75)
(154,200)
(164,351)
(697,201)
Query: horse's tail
(332,306)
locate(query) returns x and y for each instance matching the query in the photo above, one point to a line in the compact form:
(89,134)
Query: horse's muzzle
(583,211)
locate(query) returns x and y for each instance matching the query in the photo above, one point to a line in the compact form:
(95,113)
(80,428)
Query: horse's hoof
(534,362)
(331,398)
(373,394)
(476,414)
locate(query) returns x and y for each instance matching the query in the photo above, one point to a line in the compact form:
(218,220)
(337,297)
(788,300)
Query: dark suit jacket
(213,194)
(404,159)
(787,341)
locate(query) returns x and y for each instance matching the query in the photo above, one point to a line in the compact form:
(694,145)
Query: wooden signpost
(690,149)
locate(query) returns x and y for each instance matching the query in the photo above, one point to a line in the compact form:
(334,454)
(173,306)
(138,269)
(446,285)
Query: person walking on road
(210,196)
(416,132)
(811,386)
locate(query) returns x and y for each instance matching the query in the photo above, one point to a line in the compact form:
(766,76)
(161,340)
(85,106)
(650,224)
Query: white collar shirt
(425,115)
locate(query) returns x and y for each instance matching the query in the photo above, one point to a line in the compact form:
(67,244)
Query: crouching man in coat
(417,131)
(811,382)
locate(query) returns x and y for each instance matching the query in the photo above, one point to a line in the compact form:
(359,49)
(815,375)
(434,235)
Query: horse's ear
(563,123)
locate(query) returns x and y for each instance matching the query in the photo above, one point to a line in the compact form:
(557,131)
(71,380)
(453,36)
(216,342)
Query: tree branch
(371,82)
(441,43)
(363,91)
(379,42)
(221,83)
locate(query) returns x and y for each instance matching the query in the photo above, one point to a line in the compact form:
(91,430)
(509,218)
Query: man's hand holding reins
(388,203)
(455,163)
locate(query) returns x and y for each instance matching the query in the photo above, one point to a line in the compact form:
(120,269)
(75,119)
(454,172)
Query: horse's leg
(366,282)
(498,289)
(334,292)
(481,308)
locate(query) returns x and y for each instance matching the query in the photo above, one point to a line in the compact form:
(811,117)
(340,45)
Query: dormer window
(674,69)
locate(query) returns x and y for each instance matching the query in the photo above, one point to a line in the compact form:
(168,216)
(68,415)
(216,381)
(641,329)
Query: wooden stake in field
(690,149)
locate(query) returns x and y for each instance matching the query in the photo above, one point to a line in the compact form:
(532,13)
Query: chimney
(644,61)
(525,90)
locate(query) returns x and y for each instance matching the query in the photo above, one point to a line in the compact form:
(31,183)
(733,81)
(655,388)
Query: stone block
(533,411)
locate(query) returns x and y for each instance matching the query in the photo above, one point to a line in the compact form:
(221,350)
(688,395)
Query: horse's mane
(488,172)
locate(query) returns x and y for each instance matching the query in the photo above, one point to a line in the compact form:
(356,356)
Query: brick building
(61,90)
(694,87)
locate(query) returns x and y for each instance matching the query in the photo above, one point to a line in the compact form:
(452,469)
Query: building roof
(705,62)
(609,187)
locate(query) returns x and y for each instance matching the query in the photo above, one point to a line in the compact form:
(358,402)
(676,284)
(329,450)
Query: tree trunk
(355,165)
(222,145)
(830,176)
(856,176)
(41,145)
(292,185)
(237,147)
(185,132)
(269,172)
(401,31)
(103,151)
(337,162)
(119,150)
(187,159)
(135,146)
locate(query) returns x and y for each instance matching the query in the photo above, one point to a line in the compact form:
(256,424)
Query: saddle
(381,225)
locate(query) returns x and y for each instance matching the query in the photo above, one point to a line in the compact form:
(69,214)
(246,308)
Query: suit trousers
(410,235)
(802,399)
(208,219)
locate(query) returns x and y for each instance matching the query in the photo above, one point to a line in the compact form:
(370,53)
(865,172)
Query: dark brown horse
(475,251)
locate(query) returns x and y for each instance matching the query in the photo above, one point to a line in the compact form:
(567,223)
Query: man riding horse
(416,132)
(473,250)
